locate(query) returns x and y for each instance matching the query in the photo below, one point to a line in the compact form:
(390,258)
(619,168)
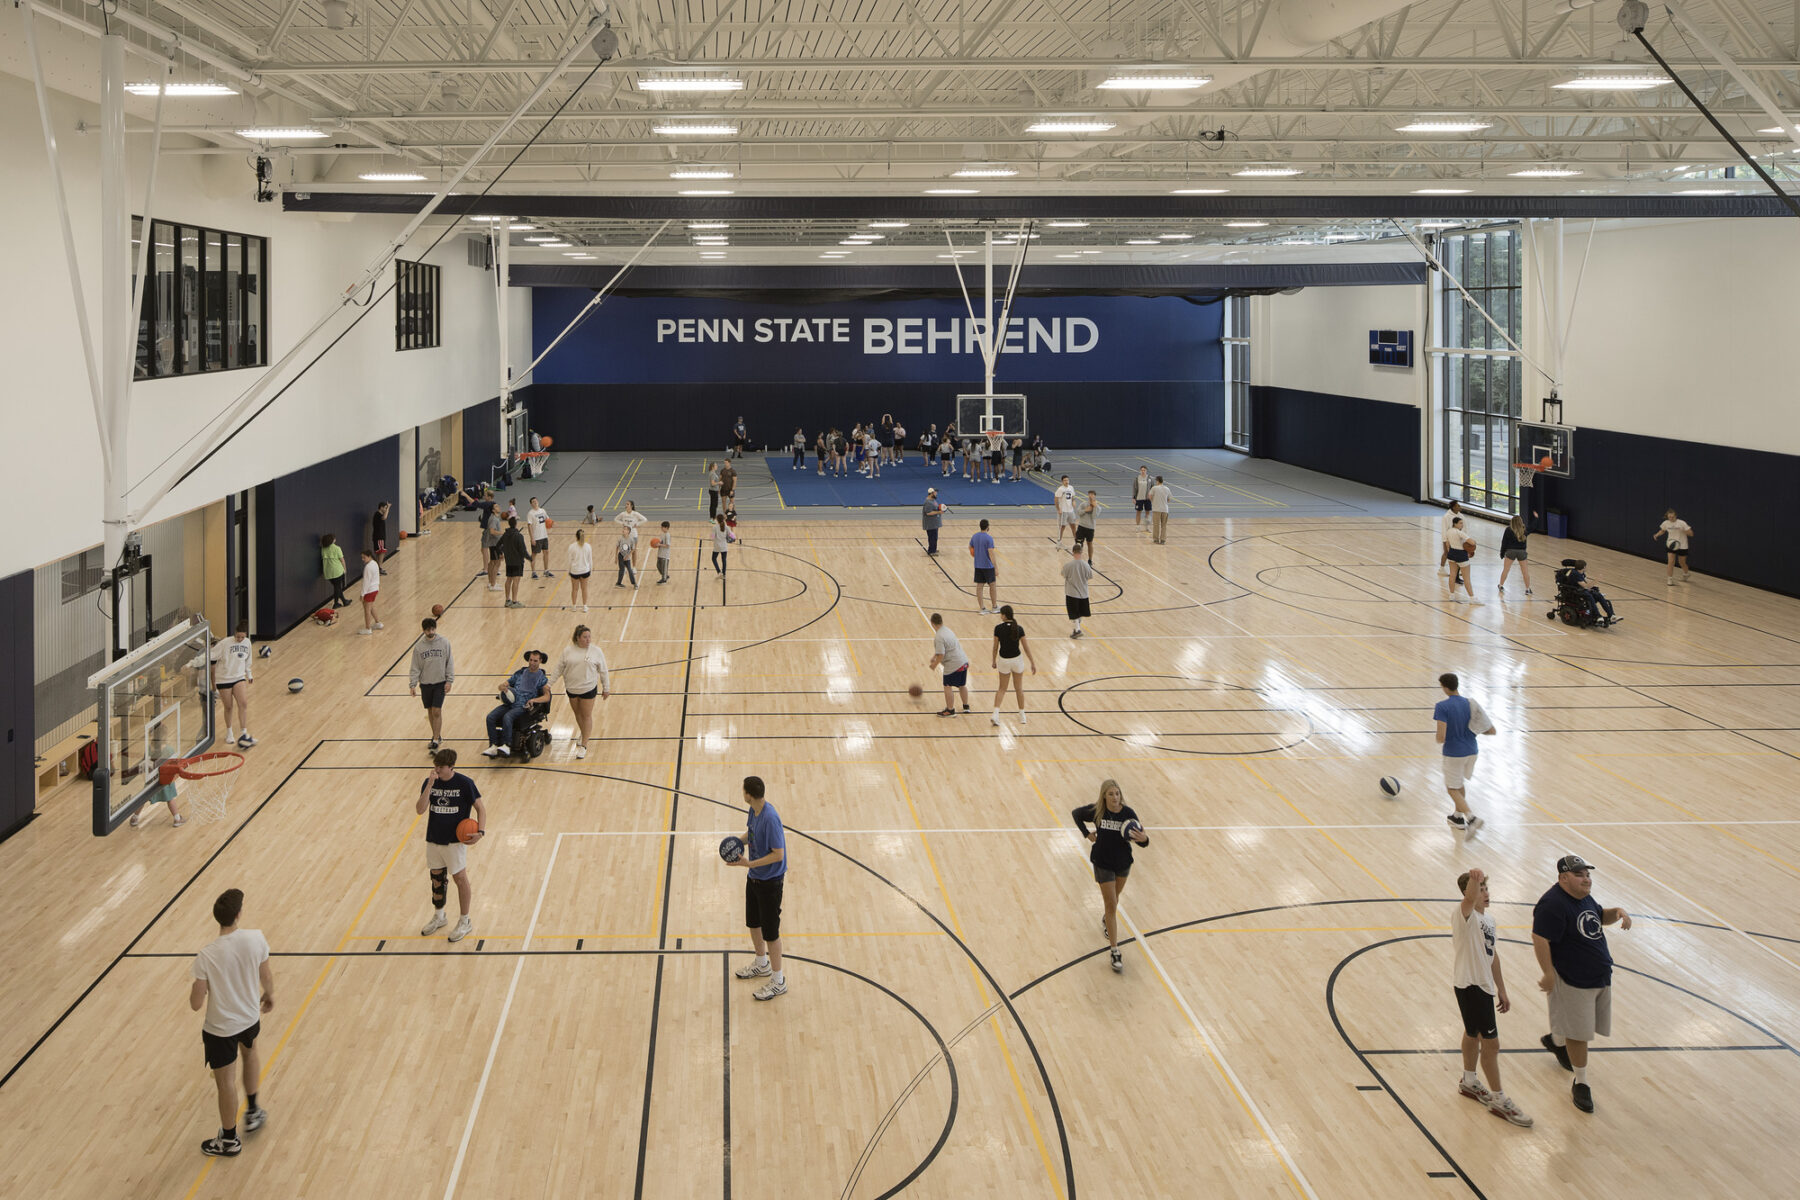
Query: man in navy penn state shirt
(1567,931)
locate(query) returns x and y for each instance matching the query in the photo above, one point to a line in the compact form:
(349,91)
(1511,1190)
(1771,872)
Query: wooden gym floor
(1284,1025)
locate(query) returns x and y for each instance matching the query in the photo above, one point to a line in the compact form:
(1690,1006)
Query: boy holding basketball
(450,796)
(233,982)
(765,857)
(662,554)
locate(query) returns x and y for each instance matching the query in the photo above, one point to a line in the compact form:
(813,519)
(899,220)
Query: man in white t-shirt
(1478,981)
(371,588)
(1065,508)
(948,655)
(1159,511)
(539,522)
(231,679)
(233,983)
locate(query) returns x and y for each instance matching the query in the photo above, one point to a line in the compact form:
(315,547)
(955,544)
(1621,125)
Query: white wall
(1686,330)
(361,391)
(1317,340)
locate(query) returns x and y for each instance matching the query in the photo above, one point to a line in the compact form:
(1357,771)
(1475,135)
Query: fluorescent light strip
(517,227)
(181,89)
(700,173)
(1199,191)
(1545,173)
(1174,237)
(1613,83)
(1070,127)
(1153,83)
(690,83)
(1440,191)
(1066,224)
(1444,127)
(953,191)
(488,220)
(544,237)
(391,176)
(984,173)
(1143,242)
(709,224)
(695,130)
(1246,224)
(1267,172)
(1708,192)
(704,192)
(281,133)
(889,224)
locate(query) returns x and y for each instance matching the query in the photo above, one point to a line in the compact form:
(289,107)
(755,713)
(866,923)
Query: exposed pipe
(116,324)
(212,25)
(594,303)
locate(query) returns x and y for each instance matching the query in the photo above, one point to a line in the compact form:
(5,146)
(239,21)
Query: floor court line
(512,988)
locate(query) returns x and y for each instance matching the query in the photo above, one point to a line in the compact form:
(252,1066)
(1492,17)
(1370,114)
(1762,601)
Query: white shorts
(1458,769)
(1065,518)
(1011,666)
(453,858)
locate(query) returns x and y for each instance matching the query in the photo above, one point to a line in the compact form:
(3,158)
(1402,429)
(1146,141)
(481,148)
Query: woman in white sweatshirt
(581,565)
(582,668)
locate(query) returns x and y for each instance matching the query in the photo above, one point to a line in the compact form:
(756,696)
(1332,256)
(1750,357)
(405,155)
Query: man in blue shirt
(982,547)
(1459,719)
(1567,933)
(528,685)
(765,858)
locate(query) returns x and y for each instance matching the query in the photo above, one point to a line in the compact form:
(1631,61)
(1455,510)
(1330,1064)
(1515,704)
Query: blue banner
(646,339)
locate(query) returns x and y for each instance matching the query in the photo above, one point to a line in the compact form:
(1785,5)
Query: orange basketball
(655,542)
(1546,462)
(545,442)
(467,831)
(915,691)
(437,610)
(549,524)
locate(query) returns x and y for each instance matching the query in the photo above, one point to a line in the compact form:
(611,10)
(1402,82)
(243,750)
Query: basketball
(437,610)
(915,691)
(265,652)
(655,542)
(296,683)
(549,524)
(1132,828)
(731,848)
(467,831)
(1390,785)
(1546,462)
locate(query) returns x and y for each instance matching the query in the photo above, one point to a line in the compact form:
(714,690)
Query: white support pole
(991,342)
(595,302)
(502,269)
(1785,123)
(118,341)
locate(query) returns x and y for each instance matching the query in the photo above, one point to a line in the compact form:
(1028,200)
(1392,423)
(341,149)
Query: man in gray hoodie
(433,670)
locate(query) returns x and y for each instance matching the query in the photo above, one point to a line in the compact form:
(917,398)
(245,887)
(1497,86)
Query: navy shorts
(984,574)
(1143,506)
(958,678)
(431,695)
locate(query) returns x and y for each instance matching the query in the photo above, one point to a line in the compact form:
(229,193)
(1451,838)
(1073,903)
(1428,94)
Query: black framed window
(415,305)
(1478,377)
(1236,344)
(206,304)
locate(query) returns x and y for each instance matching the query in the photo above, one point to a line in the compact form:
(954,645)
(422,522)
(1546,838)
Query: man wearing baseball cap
(1567,933)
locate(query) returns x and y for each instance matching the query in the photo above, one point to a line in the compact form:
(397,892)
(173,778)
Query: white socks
(1470,1077)
(1580,1074)
(762,960)
(780,978)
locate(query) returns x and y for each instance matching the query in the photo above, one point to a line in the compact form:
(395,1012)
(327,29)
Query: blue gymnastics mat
(899,487)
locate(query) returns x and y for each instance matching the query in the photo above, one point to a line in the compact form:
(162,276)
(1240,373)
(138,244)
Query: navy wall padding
(1737,500)
(18,724)
(699,416)
(481,439)
(292,512)
(1370,441)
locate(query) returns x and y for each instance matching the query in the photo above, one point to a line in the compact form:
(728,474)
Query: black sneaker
(220,1146)
(1118,961)
(1584,1099)
(431,746)
(1456,822)
(1561,1052)
(255,1118)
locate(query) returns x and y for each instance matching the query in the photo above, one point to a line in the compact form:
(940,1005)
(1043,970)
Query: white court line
(462,1148)
(630,608)
(902,579)
(1218,1057)
(672,471)
(910,830)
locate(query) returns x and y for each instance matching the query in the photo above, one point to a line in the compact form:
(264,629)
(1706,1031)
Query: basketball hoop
(205,781)
(1525,473)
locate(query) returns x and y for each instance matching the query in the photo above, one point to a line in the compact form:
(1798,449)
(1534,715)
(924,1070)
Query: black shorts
(223,1051)
(583,575)
(513,572)
(1077,606)
(541,546)
(1477,1013)
(587,695)
(1108,875)
(1084,533)
(1143,505)
(493,552)
(958,678)
(984,574)
(1018,458)
(762,906)
(431,695)
(997,457)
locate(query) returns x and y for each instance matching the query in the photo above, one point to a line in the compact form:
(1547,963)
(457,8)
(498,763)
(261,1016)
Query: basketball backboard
(1537,441)
(151,705)
(979,413)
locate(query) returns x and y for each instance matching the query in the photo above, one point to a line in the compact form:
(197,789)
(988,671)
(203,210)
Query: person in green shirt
(331,556)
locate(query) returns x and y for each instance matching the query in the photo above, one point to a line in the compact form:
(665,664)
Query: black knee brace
(440,878)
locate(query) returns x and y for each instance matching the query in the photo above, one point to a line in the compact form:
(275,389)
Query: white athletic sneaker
(753,971)
(581,752)
(1477,1091)
(771,989)
(1024,717)
(462,930)
(503,751)
(1118,962)
(364,632)
(1506,1108)
(437,922)
(490,752)
(994,717)
(1671,581)
(257,1117)
(1474,823)
(379,625)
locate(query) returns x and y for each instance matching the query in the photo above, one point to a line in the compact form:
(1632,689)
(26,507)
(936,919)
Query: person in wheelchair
(1576,601)
(524,703)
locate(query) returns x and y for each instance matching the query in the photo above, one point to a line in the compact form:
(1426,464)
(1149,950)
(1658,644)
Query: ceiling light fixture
(1142,242)
(1444,127)
(1199,191)
(1153,83)
(712,254)
(1059,126)
(544,237)
(700,173)
(1439,224)
(695,130)
(1545,173)
(487,220)
(690,83)
(281,133)
(1267,172)
(704,192)
(889,224)
(576,254)
(209,88)
(1067,224)
(1440,191)
(1637,82)
(1068,256)
(520,227)
(953,191)
(1245,224)
(856,242)
(1770,129)
(709,224)
(1093,252)
(1707,192)
(712,240)
(984,173)
(391,176)
(1174,237)
(557,245)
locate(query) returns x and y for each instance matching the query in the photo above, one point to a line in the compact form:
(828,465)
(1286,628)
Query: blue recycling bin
(1558,521)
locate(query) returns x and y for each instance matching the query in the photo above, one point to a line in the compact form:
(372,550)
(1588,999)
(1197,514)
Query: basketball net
(203,781)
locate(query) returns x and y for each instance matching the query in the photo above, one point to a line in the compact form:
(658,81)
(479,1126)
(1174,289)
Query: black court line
(725,1054)
(1591,1049)
(144,932)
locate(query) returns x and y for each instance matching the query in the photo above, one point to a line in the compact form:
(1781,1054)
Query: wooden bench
(62,761)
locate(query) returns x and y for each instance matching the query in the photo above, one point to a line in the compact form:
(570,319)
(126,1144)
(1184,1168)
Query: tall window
(206,304)
(1477,377)
(1236,343)
(415,306)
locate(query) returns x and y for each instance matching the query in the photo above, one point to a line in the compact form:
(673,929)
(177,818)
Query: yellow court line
(519,650)
(306,1001)
(980,987)
(849,642)
(1339,845)
(631,469)
(662,855)
(1696,816)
